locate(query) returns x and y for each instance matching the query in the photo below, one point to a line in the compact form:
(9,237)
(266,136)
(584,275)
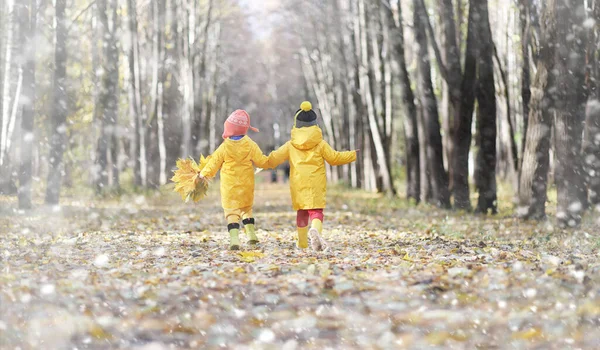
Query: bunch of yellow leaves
(188,182)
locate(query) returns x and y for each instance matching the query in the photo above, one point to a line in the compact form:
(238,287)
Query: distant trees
(453,94)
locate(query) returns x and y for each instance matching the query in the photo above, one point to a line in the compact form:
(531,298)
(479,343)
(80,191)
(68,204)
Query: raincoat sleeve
(334,157)
(258,158)
(278,156)
(214,164)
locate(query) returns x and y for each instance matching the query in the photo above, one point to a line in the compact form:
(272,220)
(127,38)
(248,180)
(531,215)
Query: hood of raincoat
(306,138)
(238,149)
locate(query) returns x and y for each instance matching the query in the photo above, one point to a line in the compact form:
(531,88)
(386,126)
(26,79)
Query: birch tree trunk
(464,120)
(411,136)
(435,157)
(108,100)
(533,181)
(7,118)
(486,125)
(451,32)
(591,138)
(27,17)
(135,98)
(366,92)
(524,8)
(6,92)
(58,138)
(571,97)
(156,145)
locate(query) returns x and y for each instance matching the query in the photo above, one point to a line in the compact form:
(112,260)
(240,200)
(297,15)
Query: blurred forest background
(445,98)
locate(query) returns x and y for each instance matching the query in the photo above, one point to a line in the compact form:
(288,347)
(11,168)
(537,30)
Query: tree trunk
(58,138)
(464,119)
(533,181)
(570,112)
(27,16)
(435,158)
(591,150)
(2,29)
(156,153)
(135,97)
(451,60)
(202,125)
(591,137)
(172,116)
(7,87)
(411,135)
(365,83)
(357,126)
(425,174)
(524,8)
(187,76)
(8,118)
(486,125)
(108,100)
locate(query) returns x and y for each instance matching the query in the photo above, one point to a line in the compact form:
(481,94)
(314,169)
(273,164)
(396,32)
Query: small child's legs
(233,217)
(303,217)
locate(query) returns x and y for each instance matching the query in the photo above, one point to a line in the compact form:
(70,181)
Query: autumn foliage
(188,182)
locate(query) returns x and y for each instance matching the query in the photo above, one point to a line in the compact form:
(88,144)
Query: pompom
(306,106)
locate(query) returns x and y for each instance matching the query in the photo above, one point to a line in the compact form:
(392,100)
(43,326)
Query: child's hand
(357,150)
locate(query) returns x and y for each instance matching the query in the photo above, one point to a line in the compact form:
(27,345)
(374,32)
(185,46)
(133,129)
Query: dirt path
(153,273)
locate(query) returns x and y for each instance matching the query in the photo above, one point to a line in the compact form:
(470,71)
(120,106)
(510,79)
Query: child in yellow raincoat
(307,153)
(236,158)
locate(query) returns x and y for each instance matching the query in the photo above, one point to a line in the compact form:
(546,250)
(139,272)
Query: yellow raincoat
(235,158)
(307,153)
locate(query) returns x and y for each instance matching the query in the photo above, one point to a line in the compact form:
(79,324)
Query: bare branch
(89,6)
(436,48)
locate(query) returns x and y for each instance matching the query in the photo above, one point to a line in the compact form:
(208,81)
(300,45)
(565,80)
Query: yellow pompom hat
(305,116)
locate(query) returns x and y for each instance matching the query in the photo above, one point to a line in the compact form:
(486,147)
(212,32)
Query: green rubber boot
(250,230)
(234,236)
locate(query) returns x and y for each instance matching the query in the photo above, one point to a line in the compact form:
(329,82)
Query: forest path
(154,273)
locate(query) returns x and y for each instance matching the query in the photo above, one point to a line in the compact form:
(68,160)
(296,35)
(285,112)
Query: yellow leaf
(99,333)
(239,269)
(529,334)
(250,256)
(407,258)
(187,179)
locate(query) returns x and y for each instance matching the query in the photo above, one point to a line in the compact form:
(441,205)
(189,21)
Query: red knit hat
(237,124)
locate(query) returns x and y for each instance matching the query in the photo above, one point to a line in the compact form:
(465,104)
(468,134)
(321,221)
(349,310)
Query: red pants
(305,216)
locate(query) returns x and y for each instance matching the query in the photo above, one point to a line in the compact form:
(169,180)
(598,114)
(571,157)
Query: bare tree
(486,123)
(411,136)
(435,166)
(108,99)
(138,149)
(571,96)
(27,28)
(525,26)
(464,119)
(58,138)
(12,84)
(533,180)
(591,138)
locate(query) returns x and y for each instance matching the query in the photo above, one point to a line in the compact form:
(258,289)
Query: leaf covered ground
(150,272)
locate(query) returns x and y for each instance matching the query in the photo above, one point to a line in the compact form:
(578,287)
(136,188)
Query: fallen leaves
(153,272)
(250,256)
